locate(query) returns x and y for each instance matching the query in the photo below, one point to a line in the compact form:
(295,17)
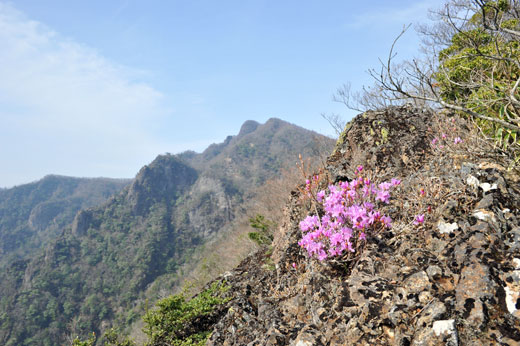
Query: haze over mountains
(97,265)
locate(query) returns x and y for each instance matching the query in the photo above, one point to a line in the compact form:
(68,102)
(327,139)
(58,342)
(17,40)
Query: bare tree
(335,121)
(470,64)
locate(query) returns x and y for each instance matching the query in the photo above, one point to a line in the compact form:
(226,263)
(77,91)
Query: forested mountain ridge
(94,274)
(35,213)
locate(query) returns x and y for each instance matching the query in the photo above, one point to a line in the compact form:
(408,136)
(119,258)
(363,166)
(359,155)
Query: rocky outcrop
(209,208)
(82,222)
(454,280)
(393,142)
(164,178)
(247,127)
(44,214)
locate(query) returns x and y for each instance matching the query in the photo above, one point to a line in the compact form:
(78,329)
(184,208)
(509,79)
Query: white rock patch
(445,227)
(511,297)
(446,326)
(484,215)
(472,181)
(487,187)
(303,343)
(516,263)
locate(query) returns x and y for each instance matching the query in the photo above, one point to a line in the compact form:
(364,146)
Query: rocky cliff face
(165,178)
(453,280)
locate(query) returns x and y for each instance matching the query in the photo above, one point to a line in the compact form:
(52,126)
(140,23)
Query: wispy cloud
(66,109)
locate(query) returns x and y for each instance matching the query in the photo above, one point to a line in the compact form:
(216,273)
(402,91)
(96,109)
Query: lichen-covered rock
(458,284)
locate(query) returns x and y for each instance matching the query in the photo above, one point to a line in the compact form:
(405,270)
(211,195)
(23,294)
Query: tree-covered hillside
(33,214)
(95,274)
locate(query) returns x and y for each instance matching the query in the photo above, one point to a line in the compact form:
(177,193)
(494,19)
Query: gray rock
(434,272)
(409,286)
(417,283)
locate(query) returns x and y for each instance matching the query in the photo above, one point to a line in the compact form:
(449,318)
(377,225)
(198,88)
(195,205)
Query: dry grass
(232,245)
(427,190)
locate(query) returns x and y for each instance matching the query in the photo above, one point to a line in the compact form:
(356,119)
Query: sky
(100,88)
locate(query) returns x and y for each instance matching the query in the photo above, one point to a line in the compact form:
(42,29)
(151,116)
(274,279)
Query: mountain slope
(450,277)
(35,213)
(95,274)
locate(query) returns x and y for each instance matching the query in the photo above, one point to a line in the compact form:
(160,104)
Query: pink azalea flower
(344,185)
(383,196)
(419,219)
(368,205)
(374,216)
(310,222)
(350,210)
(351,194)
(347,233)
(336,239)
(322,255)
(387,221)
(385,186)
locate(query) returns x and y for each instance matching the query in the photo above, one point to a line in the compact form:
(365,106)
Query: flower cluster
(349,213)
(444,139)
(312,184)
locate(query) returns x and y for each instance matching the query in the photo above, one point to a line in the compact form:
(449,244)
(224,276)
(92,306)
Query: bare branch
(337,123)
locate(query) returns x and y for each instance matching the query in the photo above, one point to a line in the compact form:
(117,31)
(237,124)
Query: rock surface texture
(454,280)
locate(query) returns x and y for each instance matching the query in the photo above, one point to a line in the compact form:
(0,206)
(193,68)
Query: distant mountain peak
(248,127)
(275,121)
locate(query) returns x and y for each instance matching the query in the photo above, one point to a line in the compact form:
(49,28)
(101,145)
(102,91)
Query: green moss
(172,321)
(269,265)
(343,137)
(384,134)
(264,234)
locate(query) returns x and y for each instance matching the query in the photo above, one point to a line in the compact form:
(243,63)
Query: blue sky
(99,88)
